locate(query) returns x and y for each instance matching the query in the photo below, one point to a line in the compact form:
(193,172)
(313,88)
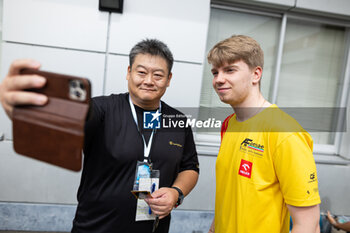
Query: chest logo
(171,143)
(245,169)
(252,148)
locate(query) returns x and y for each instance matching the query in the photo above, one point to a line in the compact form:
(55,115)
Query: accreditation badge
(146,182)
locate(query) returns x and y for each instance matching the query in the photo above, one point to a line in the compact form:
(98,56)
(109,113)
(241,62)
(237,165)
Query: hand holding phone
(13,85)
(54,133)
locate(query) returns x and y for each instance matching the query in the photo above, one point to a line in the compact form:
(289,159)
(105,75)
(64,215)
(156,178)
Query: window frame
(209,144)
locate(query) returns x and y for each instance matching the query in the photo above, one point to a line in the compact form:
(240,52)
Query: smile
(222,89)
(143,89)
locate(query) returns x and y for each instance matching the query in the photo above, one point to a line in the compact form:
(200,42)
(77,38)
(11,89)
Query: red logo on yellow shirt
(245,169)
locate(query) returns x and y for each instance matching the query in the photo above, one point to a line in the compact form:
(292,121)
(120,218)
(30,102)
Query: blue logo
(151,120)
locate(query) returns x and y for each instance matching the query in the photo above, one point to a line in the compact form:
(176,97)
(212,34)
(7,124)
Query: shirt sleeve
(189,159)
(224,125)
(296,170)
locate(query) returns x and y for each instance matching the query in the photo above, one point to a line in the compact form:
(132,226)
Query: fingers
(22,97)
(12,87)
(161,211)
(159,193)
(21,82)
(161,214)
(17,65)
(160,207)
(12,91)
(162,201)
(167,192)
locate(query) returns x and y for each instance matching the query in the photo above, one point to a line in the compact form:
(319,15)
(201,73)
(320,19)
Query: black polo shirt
(112,147)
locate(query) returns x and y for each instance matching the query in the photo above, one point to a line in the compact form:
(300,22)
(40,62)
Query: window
(223,24)
(305,62)
(312,69)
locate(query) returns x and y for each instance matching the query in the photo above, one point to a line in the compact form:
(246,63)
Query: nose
(148,79)
(220,78)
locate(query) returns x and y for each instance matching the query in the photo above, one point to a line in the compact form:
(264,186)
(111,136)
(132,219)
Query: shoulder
(279,121)
(113,99)
(174,119)
(167,109)
(282,130)
(225,123)
(110,98)
(172,113)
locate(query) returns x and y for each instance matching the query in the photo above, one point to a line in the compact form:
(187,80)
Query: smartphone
(54,133)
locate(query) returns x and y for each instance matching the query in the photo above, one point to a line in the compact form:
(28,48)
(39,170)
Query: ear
(169,79)
(257,72)
(128,74)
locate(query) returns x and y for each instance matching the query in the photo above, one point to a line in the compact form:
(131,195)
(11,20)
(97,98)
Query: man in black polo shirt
(115,140)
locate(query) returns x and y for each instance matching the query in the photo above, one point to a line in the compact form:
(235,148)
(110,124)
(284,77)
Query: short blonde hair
(236,48)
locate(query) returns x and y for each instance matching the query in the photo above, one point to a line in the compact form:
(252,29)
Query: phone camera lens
(73,84)
(77,94)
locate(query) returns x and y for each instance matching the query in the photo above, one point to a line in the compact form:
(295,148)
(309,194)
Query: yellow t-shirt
(263,164)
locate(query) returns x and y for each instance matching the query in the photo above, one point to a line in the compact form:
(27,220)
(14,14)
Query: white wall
(68,24)
(23,179)
(182,24)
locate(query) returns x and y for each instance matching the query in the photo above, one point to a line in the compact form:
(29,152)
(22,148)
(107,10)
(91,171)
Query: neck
(147,105)
(250,107)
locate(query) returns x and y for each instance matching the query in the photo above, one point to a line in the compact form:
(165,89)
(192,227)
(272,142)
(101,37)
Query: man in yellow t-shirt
(265,170)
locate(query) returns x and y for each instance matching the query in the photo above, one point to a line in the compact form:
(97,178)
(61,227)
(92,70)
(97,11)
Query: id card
(142,174)
(146,187)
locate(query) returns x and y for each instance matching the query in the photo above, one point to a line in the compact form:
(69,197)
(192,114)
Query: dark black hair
(153,47)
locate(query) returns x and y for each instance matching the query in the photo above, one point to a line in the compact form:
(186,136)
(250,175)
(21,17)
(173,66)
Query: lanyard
(146,148)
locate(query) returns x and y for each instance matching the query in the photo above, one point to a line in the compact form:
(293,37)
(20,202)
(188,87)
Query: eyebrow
(226,67)
(231,66)
(154,70)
